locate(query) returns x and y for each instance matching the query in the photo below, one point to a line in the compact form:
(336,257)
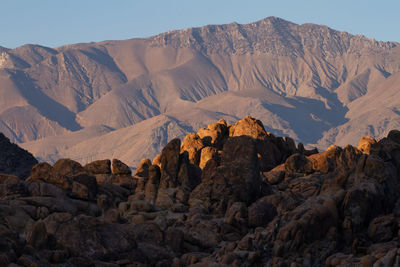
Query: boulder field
(228,195)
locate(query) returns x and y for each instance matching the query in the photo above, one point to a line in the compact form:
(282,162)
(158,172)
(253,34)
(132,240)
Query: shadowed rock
(170,163)
(99,167)
(214,134)
(193,145)
(15,160)
(120,168)
(237,179)
(67,167)
(143,168)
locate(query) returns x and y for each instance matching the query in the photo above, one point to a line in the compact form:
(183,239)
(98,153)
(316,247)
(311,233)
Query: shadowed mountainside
(15,160)
(56,102)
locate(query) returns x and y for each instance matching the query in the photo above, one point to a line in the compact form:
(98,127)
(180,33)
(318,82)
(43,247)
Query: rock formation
(229,195)
(15,160)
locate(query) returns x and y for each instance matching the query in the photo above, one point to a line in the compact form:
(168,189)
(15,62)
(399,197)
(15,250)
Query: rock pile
(229,195)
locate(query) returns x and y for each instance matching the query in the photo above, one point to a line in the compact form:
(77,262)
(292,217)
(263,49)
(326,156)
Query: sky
(54,23)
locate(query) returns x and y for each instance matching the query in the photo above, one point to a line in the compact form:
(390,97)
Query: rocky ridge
(228,195)
(15,160)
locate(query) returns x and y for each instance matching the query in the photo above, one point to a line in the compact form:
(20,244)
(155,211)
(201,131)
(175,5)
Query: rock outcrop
(14,160)
(229,195)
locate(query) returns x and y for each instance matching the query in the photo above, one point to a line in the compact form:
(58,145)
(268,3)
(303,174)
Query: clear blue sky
(57,22)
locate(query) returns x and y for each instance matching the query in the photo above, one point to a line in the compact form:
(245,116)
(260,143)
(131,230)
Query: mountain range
(127,99)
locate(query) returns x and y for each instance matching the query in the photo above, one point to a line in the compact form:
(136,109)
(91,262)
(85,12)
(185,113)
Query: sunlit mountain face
(127,99)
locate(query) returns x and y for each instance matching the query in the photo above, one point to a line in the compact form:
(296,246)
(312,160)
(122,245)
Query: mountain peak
(99,99)
(273,20)
(269,35)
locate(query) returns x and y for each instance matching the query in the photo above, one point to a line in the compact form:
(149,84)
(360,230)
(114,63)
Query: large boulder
(45,172)
(249,127)
(394,135)
(192,145)
(260,213)
(215,134)
(99,167)
(382,229)
(362,202)
(368,145)
(120,168)
(101,170)
(236,180)
(391,149)
(308,222)
(84,186)
(121,173)
(151,187)
(189,174)
(38,237)
(178,176)
(170,156)
(271,150)
(87,236)
(12,185)
(67,167)
(336,159)
(142,169)
(147,232)
(207,153)
(298,163)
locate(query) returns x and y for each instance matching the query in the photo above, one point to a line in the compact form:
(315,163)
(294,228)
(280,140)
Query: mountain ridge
(288,75)
(197,35)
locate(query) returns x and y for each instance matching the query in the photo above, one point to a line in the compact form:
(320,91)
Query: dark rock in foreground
(229,195)
(15,160)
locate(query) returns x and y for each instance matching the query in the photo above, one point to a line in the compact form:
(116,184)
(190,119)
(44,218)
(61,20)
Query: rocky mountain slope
(114,98)
(15,160)
(225,196)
